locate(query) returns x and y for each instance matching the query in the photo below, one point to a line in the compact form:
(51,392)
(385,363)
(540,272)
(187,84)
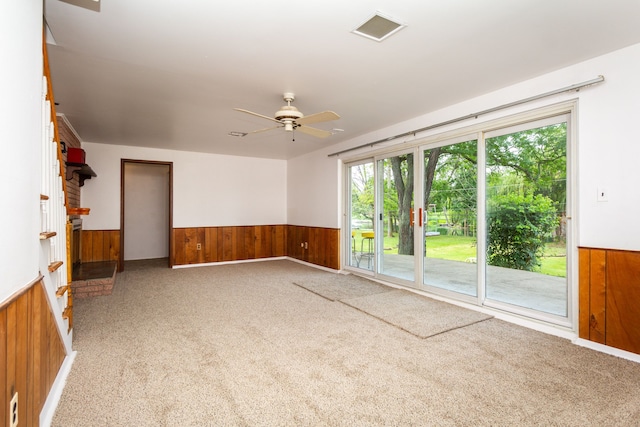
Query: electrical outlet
(302,244)
(198,246)
(13,411)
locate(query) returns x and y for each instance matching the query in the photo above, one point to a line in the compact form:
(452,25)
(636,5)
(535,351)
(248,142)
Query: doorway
(146,211)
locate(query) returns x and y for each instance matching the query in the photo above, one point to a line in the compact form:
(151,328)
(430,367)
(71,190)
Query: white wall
(312,193)
(20,121)
(208,189)
(608,149)
(146,213)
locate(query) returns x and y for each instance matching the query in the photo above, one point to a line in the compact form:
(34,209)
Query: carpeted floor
(278,343)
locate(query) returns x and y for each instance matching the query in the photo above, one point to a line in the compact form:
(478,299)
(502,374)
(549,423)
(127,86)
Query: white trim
(242,261)
(69,126)
(53,399)
(319,267)
(607,349)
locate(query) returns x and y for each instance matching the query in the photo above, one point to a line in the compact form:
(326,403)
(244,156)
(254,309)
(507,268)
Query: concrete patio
(522,288)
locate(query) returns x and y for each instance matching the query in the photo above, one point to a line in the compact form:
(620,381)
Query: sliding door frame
(347,241)
(479,297)
(379,226)
(478,131)
(571,240)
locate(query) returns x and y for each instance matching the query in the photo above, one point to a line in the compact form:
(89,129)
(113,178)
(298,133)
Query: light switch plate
(603,194)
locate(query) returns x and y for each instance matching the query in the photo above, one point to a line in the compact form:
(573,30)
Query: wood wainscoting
(236,243)
(316,245)
(609,297)
(31,353)
(217,244)
(100,245)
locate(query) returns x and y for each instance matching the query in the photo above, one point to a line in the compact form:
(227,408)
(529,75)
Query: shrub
(517,227)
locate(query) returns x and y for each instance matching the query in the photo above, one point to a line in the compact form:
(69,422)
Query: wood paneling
(316,245)
(232,243)
(609,294)
(100,245)
(31,353)
(584,276)
(623,300)
(597,297)
(236,243)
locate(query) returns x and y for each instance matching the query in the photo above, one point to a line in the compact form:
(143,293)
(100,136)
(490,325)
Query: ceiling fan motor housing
(287,115)
(288,112)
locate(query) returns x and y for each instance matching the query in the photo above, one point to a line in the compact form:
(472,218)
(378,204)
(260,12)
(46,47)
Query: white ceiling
(167,74)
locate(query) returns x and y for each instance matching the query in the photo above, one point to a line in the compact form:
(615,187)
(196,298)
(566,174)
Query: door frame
(123,162)
(379,223)
(518,117)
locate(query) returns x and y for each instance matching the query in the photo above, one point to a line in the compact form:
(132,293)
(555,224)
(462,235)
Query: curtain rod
(575,87)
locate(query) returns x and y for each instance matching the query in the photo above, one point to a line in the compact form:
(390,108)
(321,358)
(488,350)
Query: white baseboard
(242,261)
(308,264)
(50,405)
(607,349)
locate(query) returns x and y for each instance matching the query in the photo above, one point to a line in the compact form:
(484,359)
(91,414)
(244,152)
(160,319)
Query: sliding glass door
(482,218)
(396,216)
(361,215)
(526,215)
(450,217)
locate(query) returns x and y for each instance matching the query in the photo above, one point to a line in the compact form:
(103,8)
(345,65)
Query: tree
(517,226)
(430,171)
(402,170)
(533,159)
(538,155)
(362,197)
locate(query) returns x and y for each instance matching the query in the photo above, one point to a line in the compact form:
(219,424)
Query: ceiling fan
(290,118)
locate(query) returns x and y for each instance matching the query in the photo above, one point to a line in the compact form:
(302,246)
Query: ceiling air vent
(378,27)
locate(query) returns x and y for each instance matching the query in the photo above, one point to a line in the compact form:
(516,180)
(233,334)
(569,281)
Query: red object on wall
(75,155)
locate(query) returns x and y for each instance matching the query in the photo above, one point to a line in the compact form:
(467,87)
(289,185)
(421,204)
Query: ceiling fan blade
(256,114)
(265,129)
(318,133)
(324,116)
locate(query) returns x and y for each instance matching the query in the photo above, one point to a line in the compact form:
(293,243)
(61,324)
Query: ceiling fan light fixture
(378,27)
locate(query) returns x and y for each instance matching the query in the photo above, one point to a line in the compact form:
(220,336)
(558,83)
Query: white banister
(53,220)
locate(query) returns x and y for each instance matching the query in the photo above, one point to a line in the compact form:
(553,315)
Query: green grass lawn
(461,248)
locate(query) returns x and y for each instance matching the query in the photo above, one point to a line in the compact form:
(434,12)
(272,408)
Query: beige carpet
(341,287)
(418,315)
(421,316)
(241,345)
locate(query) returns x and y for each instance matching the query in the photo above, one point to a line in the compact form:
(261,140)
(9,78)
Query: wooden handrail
(68,312)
